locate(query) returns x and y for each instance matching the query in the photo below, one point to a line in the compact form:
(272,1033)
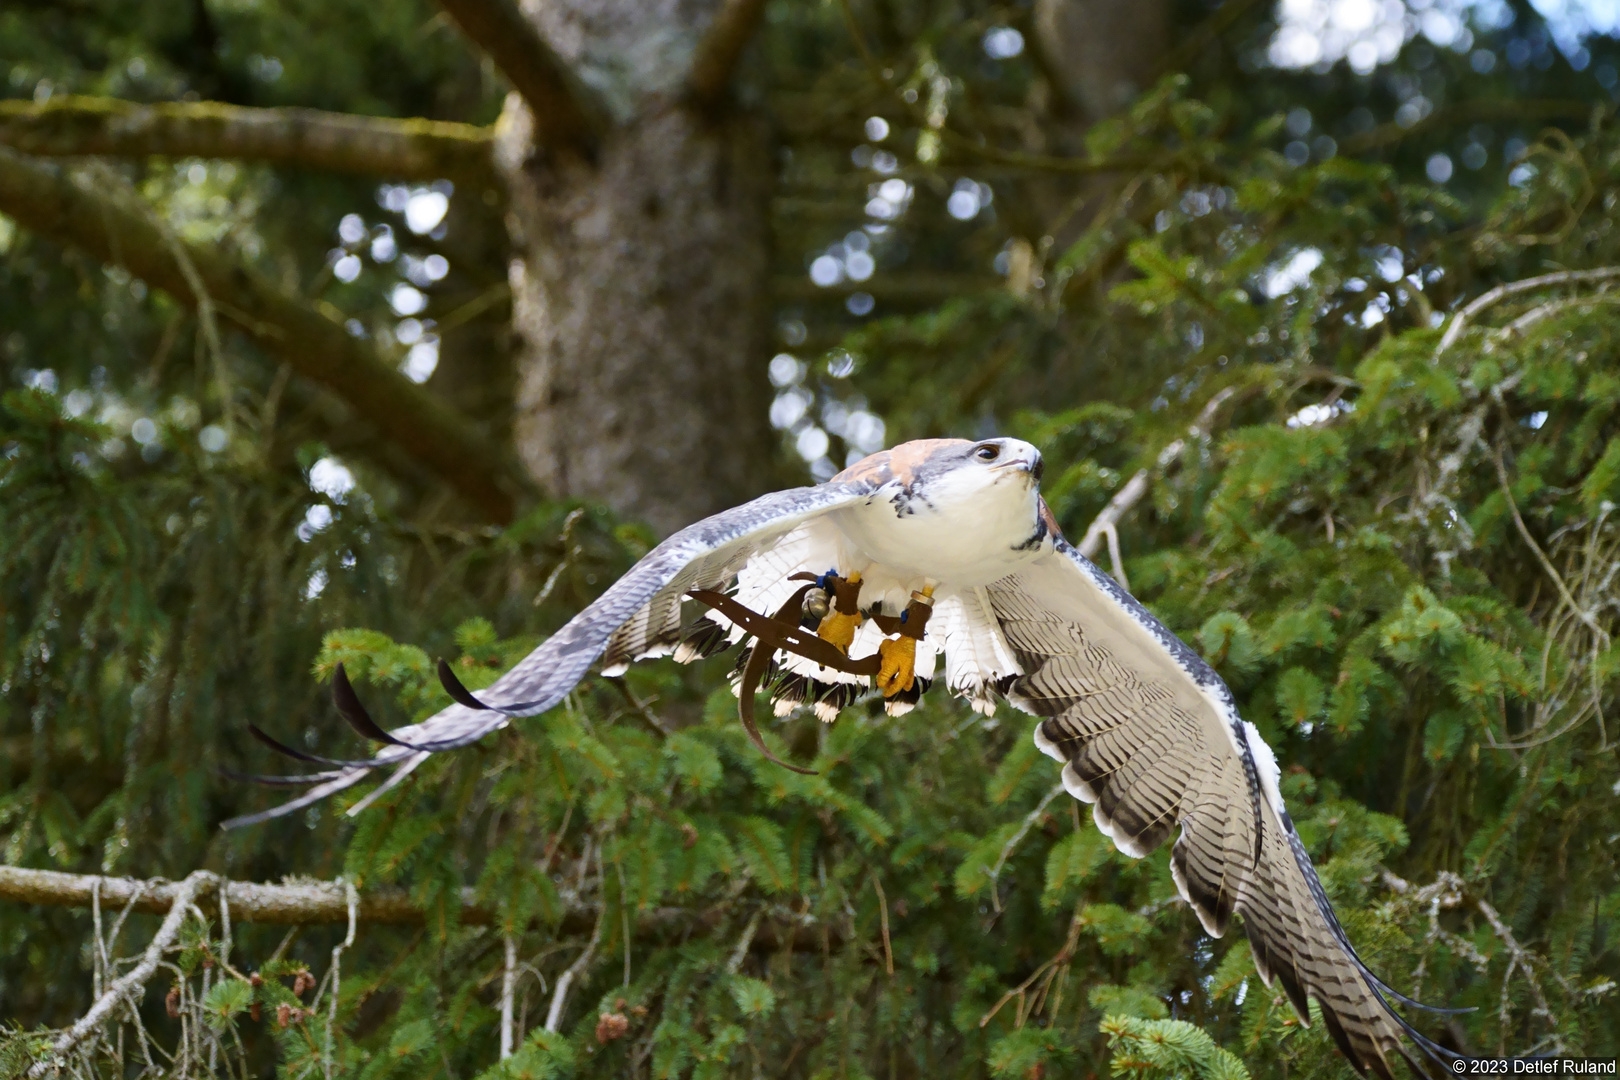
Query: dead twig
(1459,321)
(1541,557)
(1017,838)
(508,993)
(1105,526)
(1044,975)
(744,943)
(124,989)
(883,917)
(559,996)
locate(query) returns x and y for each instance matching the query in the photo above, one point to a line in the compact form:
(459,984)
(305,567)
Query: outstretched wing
(1150,735)
(639,615)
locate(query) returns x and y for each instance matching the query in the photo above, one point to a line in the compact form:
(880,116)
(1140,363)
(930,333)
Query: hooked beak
(1034,468)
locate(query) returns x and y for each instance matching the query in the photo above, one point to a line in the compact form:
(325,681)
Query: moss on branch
(566,111)
(413,149)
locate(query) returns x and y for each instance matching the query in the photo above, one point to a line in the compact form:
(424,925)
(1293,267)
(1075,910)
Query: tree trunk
(640,277)
(1101,54)
(1098,56)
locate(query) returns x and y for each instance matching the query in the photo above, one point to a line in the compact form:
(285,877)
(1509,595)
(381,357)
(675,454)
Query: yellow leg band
(899,665)
(838,629)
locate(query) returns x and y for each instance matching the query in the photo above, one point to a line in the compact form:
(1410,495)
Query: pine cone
(611,1026)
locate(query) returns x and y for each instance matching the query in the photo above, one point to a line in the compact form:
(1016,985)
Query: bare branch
(559,996)
(1123,501)
(134,981)
(1450,891)
(1136,487)
(311,339)
(566,111)
(1460,320)
(291,903)
(739,953)
(1469,112)
(718,51)
(1017,838)
(883,923)
(313,902)
(413,149)
(509,975)
(351,902)
(1579,612)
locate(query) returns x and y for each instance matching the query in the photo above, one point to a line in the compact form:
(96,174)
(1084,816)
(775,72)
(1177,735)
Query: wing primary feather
(1251,773)
(388,785)
(1436,1053)
(704,555)
(459,692)
(1414,1003)
(464,697)
(278,781)
(1331,917)
(314,759)
(1102,707)
(706,639)
(338,783)
(1341,1039)
(350,708)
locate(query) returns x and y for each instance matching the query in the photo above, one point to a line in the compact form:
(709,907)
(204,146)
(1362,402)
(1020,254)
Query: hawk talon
(899,665)
(838,629)
(839,625)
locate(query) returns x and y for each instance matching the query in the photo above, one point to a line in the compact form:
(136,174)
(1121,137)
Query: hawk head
(961,464)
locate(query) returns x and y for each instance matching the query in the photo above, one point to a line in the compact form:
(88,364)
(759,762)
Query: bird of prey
(938,559)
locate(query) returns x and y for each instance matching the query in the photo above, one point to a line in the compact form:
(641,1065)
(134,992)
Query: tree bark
(1098,56)
(1101,54)
(640,284)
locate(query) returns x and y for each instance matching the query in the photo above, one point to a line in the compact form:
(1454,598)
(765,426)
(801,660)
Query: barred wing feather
(1150,736)
(639,615)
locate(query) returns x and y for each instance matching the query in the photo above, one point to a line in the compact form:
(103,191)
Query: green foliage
(1071,863)
(228,999)
(1362,534)
(1168,1048)
(19,1051)
(543,1056)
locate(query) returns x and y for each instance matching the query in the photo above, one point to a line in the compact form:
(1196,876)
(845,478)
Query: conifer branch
(293,903)
(413,149)
(309,338)
(566,111)
(316,902)
(1469,112)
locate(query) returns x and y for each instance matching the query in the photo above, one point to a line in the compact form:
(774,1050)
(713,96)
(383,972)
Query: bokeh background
(386,331)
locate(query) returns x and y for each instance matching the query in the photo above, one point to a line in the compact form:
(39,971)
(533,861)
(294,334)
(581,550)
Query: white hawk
(939,558)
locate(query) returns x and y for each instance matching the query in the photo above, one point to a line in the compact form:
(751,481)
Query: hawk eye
(987,452)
